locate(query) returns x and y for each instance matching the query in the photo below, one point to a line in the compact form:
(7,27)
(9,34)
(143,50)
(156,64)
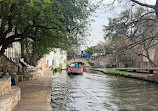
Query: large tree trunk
(150,61)
(5,45)
(32,59)
(22,50)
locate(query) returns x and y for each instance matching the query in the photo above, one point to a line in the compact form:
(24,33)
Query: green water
(100,92)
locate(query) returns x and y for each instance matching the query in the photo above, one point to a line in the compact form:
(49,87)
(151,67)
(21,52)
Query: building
(57,58)
(14,52)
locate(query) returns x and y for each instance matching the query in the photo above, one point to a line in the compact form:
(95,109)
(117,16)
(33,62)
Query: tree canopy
(138,31)
(43,24)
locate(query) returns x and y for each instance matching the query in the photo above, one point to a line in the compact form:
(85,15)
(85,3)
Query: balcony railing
(14,56)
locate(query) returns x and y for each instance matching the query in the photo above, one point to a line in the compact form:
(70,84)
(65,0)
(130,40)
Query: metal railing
(13,56)
(88,58)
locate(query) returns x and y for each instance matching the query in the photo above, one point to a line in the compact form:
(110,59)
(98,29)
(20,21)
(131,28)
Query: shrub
(120,72)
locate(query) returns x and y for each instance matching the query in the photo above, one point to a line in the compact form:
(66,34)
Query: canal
(100,92)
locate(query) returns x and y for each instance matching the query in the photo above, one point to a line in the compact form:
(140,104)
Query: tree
(23,19)
(154,8)
(106,46)
(89,50)
(140,31)
(42,24)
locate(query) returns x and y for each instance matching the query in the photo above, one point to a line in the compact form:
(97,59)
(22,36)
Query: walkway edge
(141,76)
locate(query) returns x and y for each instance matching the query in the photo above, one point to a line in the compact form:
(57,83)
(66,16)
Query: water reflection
(99,92)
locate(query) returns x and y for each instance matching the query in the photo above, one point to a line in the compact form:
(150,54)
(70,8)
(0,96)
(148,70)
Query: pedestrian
(1,73)
(13,81)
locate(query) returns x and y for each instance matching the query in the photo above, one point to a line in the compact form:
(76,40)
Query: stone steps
(9,100)
(5,85)
(9,95)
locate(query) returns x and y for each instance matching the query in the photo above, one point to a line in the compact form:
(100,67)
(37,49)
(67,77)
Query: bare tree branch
(132,45)
(143,4)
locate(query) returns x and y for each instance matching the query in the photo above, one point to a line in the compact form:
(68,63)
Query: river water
(100,92)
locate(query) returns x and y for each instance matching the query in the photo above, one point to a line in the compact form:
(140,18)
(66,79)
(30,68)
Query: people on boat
(76,64)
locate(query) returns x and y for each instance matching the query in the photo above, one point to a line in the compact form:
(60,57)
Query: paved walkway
(35,94)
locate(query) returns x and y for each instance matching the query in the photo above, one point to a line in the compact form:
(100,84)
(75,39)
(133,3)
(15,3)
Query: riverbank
(135,75)
(35,94)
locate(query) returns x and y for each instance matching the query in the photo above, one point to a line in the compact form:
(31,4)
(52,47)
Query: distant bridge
(78,60)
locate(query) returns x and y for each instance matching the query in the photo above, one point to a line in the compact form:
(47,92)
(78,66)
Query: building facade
(13,52)
(56,58)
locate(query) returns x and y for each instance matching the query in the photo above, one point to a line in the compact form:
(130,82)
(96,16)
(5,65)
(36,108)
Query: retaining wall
(10,100)
(5,85)
(8,64)
(9,96)
(140,76)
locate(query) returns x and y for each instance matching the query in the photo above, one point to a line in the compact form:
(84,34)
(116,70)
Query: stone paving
(35,94)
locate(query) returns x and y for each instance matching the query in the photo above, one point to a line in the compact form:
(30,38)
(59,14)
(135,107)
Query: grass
(100,66)
(120,72)
(56,69)
(31,70)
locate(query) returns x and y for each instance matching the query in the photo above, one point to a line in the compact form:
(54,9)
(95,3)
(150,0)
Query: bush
(53,69)
(56,69)
(120,72)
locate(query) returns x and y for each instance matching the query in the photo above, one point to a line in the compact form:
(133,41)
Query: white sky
(96,28)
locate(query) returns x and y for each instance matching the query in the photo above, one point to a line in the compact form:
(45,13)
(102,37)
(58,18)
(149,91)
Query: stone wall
(10,100)
(42,66)
(63,66)
(31,75)
(8,64)
(9,96)
(5,85)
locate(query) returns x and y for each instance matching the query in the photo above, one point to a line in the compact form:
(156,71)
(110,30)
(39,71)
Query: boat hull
(75,70)
(74,73)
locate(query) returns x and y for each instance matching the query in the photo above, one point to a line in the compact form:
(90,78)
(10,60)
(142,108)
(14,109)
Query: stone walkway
(35,94)
(143,76)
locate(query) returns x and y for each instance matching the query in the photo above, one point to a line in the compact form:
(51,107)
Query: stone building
(14,52)
(11,58)
(57,58)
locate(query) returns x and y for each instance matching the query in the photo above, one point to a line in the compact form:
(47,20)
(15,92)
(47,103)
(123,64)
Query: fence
(135,64)
(14,56)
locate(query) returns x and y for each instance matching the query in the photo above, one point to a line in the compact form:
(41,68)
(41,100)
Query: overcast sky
(101,19)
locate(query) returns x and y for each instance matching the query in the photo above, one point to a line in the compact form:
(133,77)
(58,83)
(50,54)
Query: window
(53,62)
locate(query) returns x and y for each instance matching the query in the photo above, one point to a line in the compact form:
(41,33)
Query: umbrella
(86,54)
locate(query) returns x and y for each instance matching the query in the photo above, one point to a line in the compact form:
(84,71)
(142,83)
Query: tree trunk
(150,61)
(2,52)
(22,50)
(4,46)
(32,59)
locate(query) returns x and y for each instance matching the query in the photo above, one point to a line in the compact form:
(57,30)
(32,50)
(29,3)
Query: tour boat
(75,70)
